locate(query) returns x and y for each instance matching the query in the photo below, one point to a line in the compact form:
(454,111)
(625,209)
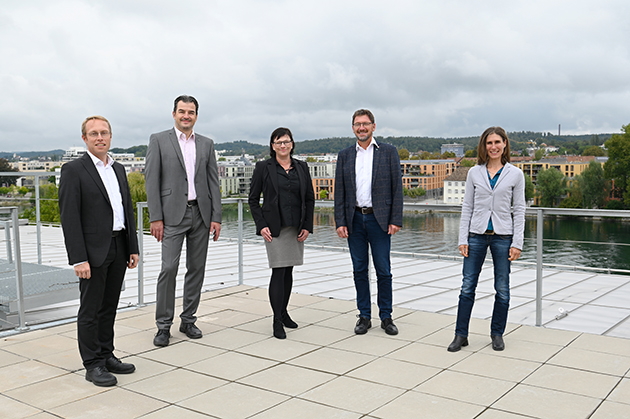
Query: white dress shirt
(363,174)
(189,151)
(108,176)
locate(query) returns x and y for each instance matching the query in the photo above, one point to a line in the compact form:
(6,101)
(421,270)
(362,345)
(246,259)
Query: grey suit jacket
(387,190)
(167,184)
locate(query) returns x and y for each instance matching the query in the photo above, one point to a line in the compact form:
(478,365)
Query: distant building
(426,174)
(569,166)
(455,186)
(323,177)
(458,149)
(235,177)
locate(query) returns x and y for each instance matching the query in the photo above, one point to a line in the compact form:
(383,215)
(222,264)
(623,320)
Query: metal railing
(14,226)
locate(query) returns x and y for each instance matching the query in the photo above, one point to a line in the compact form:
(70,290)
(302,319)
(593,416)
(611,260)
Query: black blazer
(265,180)
(86,213)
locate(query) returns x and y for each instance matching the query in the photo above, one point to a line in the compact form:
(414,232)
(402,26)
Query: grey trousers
(196,234)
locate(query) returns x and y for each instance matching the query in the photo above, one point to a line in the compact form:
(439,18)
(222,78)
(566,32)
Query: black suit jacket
(265,180)
(86,213)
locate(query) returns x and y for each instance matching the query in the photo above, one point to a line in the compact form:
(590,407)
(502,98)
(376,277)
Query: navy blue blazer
(265,181)
(387,190)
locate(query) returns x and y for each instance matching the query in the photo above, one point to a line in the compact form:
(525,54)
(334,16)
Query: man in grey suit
(182,183)
(368,211)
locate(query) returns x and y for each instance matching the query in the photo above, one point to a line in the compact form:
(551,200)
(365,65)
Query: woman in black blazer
(284,220)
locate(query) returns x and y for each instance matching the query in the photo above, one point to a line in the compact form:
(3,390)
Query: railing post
(38,221)
(140,233)
(18,269)
(539,265)
(240,241)
(7,237)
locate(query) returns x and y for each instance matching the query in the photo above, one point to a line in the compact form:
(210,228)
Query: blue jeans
(366,231)
(477,248)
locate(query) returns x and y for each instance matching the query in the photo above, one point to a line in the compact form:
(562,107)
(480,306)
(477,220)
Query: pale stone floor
(576,367)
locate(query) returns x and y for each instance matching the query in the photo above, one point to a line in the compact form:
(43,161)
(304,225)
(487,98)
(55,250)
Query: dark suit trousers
(99,300)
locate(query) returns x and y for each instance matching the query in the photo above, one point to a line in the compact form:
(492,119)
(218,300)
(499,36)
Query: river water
(568,241)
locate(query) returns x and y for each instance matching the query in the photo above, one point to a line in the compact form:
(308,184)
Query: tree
(593,150)
(529,188)
(551,185)
(138,194)
(539,154)
(593,186)
(48,205)
(5,166)
(448,155)
(466,163)
(403,153)
(310,159)
(323,194)
(617,167)
(471,153)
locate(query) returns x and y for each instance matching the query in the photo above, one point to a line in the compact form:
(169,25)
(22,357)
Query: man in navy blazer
(99,233)
(368,211)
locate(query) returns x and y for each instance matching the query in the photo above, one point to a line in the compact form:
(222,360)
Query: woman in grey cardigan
(493,187)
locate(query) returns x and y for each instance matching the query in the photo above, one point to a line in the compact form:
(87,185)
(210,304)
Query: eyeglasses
(95,134)
(362,124)
(282,143)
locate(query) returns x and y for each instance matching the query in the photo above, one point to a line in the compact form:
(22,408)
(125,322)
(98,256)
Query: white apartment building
(455,186)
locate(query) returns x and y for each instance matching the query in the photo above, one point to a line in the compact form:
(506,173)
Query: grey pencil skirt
(285,250)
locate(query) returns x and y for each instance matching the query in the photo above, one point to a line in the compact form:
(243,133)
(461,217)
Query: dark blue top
(493,182)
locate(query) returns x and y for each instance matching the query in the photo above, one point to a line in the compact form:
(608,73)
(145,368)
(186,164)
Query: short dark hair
(482,151)
(279,133)
(362,112)
(186,99)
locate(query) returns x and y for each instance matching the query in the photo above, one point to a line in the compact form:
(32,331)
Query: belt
(365,210)
(117,233)
(489,232)
(191,203)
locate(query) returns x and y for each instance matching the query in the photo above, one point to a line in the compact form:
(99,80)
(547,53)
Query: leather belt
(191,203)
(365,210)
(117,233)
(490,232)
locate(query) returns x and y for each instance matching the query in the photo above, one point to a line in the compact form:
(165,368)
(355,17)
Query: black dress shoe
(363,324)
(457,343)
(288,322)
(389,326)
(497,342)
(100,377)
(116,366)
(190,330)
(162,337)
(278,329)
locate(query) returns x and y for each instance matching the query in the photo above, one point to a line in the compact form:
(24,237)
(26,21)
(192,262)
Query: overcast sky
(425,68)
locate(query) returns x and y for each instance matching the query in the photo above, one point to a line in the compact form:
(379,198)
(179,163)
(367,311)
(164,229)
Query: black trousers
(99,300)
(280,290)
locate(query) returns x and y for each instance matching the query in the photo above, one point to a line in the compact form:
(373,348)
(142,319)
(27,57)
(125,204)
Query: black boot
(457,343)
(287,321)
(278,329)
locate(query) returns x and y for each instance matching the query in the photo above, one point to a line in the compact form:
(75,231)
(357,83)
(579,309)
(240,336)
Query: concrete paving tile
(287,379)
(394,373)
(436,320)
(115,403)
(68,360)
(10,358)
(182,353)
(345,321)
(598,343)
(621,393)
(610,409)
(592,361)
(25,373)
(307,410)
(227,402)
(173,411)
(318,335)
(278,349)
(622,330)
(543,335)
(231,365)
(465,387)
(500,414)
(430,355)
(175,385)
(262,326)
(572,381)
(55,392)
(142,321)
(42,415)
(521,349)
(365,398)
(338,306)
(231,338)
(332,360)
(145,368)
(444,337)
(591,319)
(301,300)
(138,342)
(45,345)
(501,368)
(419,405)
(549,404)
(370,344)
(229,318)
(306,315)
(12,409)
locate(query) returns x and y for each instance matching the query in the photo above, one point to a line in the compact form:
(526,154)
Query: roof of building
(458,175)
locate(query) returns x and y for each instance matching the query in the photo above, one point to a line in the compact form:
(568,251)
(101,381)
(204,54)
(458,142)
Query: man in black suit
(368,212)
(98,228)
